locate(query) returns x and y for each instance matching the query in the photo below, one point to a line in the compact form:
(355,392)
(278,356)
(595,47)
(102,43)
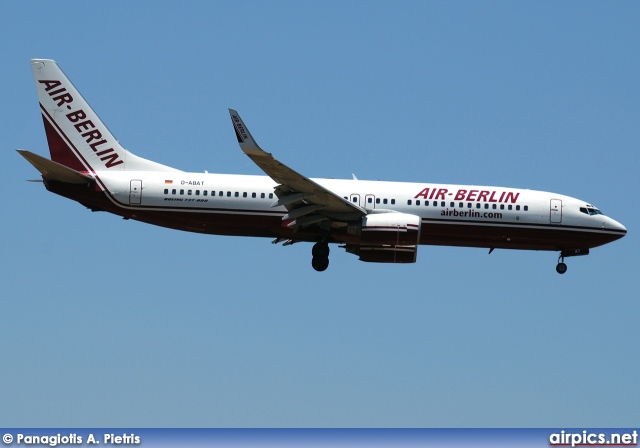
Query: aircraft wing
(307,202)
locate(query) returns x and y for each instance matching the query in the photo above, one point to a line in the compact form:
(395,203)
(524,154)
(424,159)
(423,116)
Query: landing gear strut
(320,253)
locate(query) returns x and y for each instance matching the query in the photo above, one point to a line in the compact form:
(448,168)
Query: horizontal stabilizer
(54,171)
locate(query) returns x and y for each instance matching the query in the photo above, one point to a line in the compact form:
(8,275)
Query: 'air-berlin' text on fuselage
(86,128)
(469,195)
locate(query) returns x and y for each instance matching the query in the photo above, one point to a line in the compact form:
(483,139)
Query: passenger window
(370,200)
(189,192)
(526,208)
(384,201)
(197,192)
(270,195)
(494,206)
(204,192)
(468,204)
(173,191)
(426,203)
(517,207)
(486,206)
(393,201)
(237,194)
(418,202)
(166,191)
(228,194)
(461,205)
(409,202)
(262,195)
(501,206)
(377,200)
(478,205)
(442,204)
(253,195)
(510,207)
(452,204)
(181,191)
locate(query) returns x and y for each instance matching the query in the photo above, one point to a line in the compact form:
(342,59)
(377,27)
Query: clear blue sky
(107,322)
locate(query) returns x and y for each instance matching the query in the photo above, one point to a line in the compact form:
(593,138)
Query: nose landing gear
(320,254)
(561,268)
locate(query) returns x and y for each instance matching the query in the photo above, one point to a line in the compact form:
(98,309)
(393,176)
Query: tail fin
(77,137)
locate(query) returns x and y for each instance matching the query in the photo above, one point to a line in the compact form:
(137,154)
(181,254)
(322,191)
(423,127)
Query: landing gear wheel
(320,250)
(561,268)
(320,263)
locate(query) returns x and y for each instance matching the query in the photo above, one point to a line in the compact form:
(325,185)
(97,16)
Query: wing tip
(245,139)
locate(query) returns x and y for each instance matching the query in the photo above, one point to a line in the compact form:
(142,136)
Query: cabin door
(556,211)
(135,192)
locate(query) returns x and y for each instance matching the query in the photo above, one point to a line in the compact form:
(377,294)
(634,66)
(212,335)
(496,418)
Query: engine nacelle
(386,237)
(396,229)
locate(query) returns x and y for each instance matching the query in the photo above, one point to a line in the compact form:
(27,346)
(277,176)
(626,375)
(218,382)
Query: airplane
(378,221)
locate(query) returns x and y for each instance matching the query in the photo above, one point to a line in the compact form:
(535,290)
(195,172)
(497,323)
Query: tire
(561,268)
(320,250)
(320,263)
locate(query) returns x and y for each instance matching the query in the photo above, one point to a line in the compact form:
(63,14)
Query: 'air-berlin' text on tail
(77,138)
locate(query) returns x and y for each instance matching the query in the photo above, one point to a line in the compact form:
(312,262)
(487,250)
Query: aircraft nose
(615,225)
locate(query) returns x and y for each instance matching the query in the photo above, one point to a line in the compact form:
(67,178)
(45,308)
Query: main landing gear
(320,253)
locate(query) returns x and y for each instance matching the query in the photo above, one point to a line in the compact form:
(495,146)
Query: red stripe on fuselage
(513,236)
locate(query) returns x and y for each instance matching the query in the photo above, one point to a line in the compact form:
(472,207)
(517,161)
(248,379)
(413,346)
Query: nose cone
(616,227)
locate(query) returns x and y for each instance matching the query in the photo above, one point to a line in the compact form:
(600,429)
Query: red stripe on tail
(60,150)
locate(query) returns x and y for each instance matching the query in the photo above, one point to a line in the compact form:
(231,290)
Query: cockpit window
(590,210)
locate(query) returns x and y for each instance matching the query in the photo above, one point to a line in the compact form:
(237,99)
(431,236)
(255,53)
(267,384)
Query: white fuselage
(478,207)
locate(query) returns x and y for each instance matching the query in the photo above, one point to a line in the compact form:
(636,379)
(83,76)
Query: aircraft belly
(542,237)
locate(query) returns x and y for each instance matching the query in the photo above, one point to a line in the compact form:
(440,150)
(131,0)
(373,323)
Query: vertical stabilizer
(77,138)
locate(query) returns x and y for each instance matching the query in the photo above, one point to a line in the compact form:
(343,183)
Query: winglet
(246,141)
